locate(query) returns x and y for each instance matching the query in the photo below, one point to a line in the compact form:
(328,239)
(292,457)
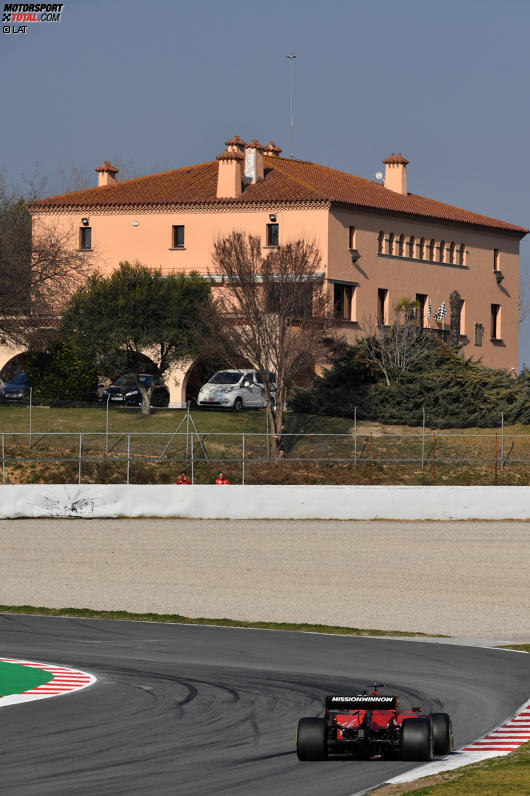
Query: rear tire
(311,742)
(416,739)
(238,404)
(442,733)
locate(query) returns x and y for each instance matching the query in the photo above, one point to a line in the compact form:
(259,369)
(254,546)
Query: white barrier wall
(267,502)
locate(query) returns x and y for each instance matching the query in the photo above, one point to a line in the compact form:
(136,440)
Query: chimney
(229,174)
(272,151)
(236,144)
(107,174)
(254,162)
(396,173)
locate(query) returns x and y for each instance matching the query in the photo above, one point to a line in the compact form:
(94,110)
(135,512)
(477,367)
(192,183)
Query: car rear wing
(361,702)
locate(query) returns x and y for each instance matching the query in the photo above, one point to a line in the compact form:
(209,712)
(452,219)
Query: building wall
(146,235)
(404,278)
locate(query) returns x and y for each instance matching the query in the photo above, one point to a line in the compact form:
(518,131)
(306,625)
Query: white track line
(65,681)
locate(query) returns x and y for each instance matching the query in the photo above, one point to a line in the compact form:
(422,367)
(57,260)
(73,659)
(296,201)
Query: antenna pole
(291,58)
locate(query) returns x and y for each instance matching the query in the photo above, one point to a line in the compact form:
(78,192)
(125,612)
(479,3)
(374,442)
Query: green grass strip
(16,678)
(186,620)
(500,776)
(521,647)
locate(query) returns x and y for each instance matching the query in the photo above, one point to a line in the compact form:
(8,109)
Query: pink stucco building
(379,243)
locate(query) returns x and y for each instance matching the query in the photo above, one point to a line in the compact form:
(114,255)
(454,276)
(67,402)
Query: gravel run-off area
(466,579)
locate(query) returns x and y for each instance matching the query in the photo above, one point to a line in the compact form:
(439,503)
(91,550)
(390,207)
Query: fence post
(3,460)
(355,437)
(496,459)
(423,440)
(502,440)
(268,441)
(308,453)
(128,456)
(80,454)
(371,461)
(30,415)
(433,454)
(192,461)
(107,426)
(243,462)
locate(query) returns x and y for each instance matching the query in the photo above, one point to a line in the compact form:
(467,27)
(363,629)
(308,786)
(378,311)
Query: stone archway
(11,362)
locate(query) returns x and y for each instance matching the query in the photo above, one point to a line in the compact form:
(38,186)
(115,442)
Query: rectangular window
(351,238)
(272,234)
(382,306)
(344,302)
(421,299)
(178,236)
(85,237)
(462,317)
(496,260)
(495,330)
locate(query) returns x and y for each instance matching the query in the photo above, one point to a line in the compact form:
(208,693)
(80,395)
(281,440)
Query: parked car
(124,391)
(16,389)
(234,389)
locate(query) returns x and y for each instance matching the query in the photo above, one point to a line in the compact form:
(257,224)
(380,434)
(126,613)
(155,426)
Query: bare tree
(396,348)
(271,312)
(39,271)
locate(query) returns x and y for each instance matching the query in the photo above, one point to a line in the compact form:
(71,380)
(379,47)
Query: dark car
(124,391)
(16,389)
(373,725)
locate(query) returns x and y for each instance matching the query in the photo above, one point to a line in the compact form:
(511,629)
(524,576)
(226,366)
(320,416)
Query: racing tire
(442,733)
(238,404)
(311,741)
(416,739)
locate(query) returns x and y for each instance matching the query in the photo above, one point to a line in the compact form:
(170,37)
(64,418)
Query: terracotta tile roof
(227,155)
(285,180)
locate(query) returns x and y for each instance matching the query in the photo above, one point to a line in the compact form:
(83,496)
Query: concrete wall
(266,502)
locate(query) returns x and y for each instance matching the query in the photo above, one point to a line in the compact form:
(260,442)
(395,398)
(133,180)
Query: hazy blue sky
(164,83)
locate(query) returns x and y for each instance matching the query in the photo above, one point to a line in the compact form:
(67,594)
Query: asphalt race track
(194,710)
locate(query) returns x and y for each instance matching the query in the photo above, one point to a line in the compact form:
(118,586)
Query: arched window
(410,252)
(452,252)
(391,243)
(442,251)
(401,246)
(462,254)
(380,242)
(430,250)
(421,249)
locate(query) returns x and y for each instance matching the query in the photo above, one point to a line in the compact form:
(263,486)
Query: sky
(162,84)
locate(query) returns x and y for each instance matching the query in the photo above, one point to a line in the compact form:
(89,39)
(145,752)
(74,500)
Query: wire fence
(423,457)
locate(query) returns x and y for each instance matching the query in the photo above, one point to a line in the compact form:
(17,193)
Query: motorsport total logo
(17,17)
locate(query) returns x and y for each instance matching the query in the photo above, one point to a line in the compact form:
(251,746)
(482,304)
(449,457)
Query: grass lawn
(15,678)
(499,776)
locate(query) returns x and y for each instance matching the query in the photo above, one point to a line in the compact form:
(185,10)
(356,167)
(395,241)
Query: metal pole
(3,460)
(80,453)
(128,456)
(291,58)
(433,454)
(355,435)
(243,468)
(423,441)
(192,462)
(268,440)
(502,440)
(308,452)
(496,458)
(107,426)
(187,429)
(371,460)
(30,413)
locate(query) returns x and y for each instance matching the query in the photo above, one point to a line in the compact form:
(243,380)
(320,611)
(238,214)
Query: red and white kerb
(65,680)
(507,736)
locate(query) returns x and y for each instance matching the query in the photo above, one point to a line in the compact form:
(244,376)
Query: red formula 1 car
(372,724)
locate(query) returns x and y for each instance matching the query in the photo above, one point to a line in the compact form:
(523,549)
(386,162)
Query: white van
(234,389)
